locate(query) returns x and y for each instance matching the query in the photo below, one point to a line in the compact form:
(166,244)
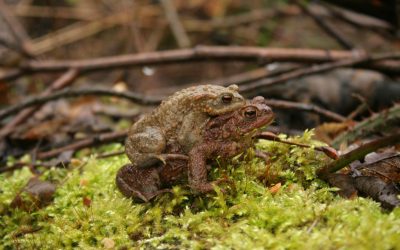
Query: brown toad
(178,121)
(223,136)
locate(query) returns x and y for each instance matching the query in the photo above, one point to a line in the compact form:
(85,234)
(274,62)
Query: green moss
(304,213)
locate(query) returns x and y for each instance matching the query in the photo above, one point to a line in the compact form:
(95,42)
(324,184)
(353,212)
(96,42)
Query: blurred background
(42,30)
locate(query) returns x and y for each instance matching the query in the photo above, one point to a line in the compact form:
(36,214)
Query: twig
(257,54)
(68,93)
(370,125)
(138,39)
(97,140)
(78,31)
(315,69)
(325,26)
(328,151)
(175,24)
(17,30)
(218,53)
(7,44)
(65,80)
(281,104)
(155,37)
(357,19)
(361,107)
(204,52)
(357,154)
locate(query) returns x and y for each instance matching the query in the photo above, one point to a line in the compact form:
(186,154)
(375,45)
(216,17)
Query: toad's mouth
(258,127)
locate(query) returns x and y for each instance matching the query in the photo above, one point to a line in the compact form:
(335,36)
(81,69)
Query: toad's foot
(208,187)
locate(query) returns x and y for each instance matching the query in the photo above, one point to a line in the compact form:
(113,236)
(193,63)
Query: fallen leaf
(275,188)
(386,193)
(345,183)
(35,195)
(385,168)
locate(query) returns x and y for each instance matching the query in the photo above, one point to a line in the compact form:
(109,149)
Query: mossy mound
(89,212)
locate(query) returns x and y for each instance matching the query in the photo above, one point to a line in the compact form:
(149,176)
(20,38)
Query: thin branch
(198,53)
(315,69)
(64,80)
(7,44)
(357,19)
(175,24)
(328,151)
(325,26)
(357,154)
(255,54)
(280,104)
(361,107)
(78,31)
(17,30)
(69,93)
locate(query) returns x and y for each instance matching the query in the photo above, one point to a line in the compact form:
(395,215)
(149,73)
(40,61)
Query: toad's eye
(226,98)
(250,112)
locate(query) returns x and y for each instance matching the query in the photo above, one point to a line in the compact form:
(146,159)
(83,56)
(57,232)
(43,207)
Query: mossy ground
(89,212)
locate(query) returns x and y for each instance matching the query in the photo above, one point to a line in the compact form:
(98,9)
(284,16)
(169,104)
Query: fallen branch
(256,54)
(370,125)
(357,154)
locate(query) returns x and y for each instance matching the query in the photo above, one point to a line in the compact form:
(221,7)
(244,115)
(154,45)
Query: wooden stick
(255,54)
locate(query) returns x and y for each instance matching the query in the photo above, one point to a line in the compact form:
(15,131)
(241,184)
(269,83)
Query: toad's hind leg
(139,184)
(144,148)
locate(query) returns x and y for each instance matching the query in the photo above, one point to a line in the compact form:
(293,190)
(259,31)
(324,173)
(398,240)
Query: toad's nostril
(258,99)
(267,110)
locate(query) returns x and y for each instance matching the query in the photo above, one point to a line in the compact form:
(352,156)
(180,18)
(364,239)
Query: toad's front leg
(197,166)
(144,148)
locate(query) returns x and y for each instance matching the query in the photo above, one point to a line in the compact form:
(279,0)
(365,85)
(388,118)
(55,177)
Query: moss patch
(89,212)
